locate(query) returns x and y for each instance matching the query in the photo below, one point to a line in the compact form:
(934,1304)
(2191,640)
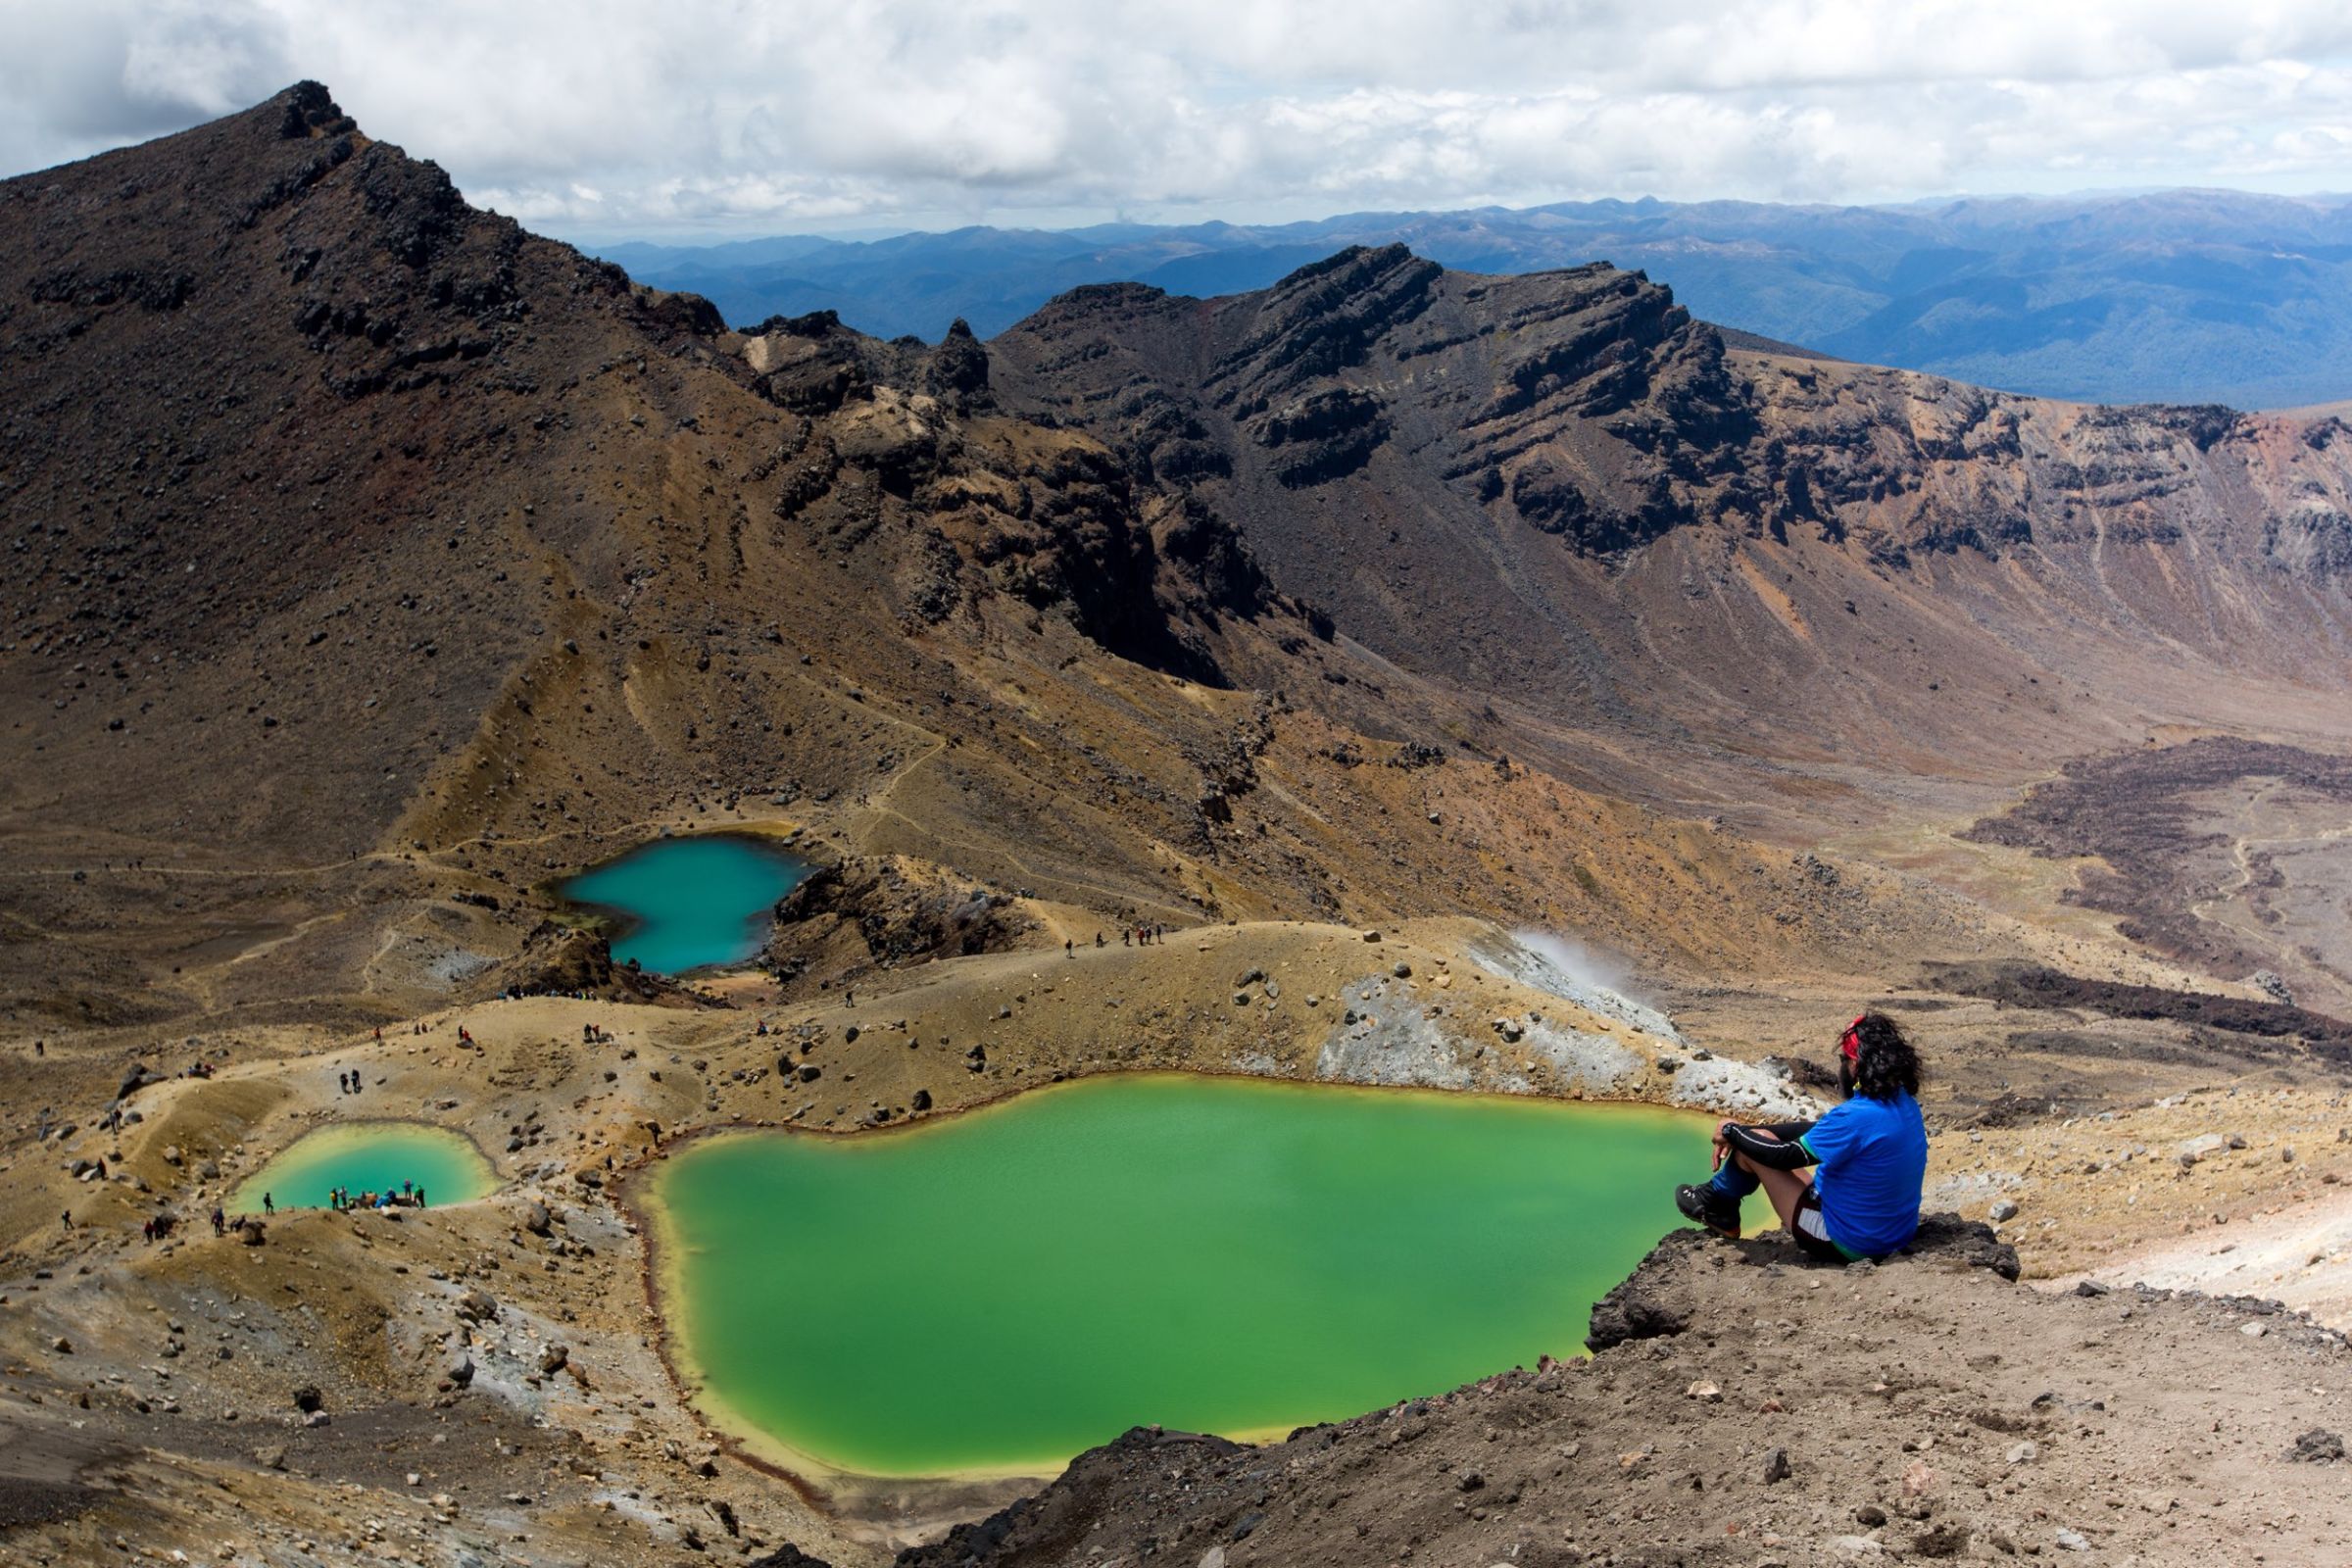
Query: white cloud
(738,115)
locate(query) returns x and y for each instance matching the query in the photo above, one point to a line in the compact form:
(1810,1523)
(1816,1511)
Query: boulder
(2318,1446)
(2201,1148)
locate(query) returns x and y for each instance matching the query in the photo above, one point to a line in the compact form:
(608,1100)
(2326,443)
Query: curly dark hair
(1887,1065)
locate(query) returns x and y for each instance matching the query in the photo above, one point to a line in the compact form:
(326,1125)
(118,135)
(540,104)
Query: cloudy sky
(598,119)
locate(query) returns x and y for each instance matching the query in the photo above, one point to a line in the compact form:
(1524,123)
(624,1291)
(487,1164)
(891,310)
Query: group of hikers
(159,1227)
(342,1199)
(1134,936)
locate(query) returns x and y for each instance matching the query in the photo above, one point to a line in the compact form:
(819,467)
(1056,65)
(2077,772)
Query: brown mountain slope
(1560,490)
(370,550)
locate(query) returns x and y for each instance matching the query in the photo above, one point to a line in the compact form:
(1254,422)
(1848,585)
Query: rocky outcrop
(878,909)
(957,371)
(1587,401)
(566,960)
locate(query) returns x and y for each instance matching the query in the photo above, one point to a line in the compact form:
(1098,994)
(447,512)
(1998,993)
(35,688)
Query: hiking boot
(1718,1211)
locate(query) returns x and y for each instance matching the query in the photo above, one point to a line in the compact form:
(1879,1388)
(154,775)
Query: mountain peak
(307,109)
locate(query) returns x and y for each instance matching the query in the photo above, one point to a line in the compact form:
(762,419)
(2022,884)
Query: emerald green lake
(692,902)
(369,1157)
(1000,1289)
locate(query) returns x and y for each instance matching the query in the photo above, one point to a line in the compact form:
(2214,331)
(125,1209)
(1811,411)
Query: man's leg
(1783,1187)
(1735,1180)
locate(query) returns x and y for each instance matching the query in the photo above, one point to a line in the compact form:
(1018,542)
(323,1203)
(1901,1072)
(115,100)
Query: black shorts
(1811,1231)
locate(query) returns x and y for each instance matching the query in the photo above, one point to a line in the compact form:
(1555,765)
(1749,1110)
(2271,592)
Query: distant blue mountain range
(2185,296)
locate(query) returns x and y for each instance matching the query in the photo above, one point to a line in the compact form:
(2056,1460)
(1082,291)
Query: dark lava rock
(1636,1308)
(957,372)
(1136,1461)
(2318,1446)
(1949,1239)
(786,1556)
(307,1398)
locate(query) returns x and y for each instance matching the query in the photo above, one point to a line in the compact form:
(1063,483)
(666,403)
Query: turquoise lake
(690,903)
(992,1291)
(369,1157)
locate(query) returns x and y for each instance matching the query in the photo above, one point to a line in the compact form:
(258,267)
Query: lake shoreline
(851,1491)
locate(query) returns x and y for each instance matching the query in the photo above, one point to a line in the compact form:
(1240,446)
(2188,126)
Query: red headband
(1849,1044)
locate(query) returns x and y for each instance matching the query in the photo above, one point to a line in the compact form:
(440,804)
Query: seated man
(1868,1158)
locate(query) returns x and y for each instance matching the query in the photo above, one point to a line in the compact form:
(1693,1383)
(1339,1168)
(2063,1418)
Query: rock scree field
(1508,690)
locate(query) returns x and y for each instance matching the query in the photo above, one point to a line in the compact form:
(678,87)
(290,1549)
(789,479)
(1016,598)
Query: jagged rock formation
(1438,457)
(359,531)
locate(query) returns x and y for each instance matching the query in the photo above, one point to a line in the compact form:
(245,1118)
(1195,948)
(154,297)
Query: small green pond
(369,1157)
(1000,1289)
(692,902)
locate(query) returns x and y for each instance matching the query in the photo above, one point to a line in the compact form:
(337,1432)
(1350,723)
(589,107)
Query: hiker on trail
(1069,949)
(147,1229)
(65,1221)
(268,1204)
(1866,1157)
(1127,937)
(219,1221)
(1098,941)
(419,1198)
